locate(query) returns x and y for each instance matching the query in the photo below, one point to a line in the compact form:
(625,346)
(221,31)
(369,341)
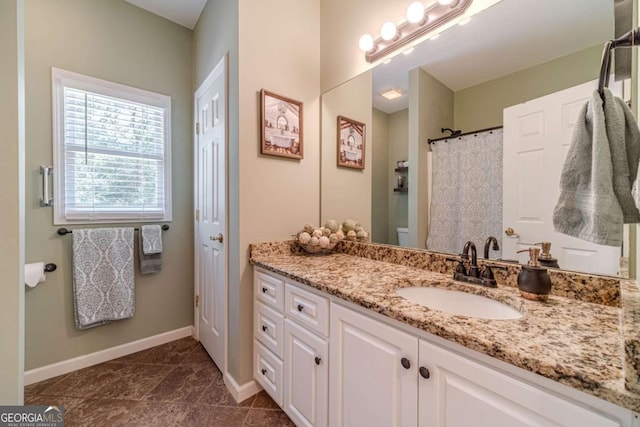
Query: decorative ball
(333,238)
(324,242)
(332,225)
(317,233)
(304,237)
(314,241)
(325,231)
(348,225)
(309,228)
(352,235)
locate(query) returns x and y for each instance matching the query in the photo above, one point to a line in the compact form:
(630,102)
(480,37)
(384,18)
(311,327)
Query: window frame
(61,79)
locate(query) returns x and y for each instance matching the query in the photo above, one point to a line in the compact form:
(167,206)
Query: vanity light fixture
(392,94)
(408,51)
(420,21)
(465,21)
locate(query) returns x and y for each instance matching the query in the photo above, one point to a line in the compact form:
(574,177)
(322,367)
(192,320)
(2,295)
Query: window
(112,151)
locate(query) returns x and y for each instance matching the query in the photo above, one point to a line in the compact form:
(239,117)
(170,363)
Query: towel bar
(64,231)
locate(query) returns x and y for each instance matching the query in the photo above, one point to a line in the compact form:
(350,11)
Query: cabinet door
(373,376)
(306,376)
(461,393)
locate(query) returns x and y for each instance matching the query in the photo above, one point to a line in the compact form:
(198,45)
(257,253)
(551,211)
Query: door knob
(511,232)
(220,238)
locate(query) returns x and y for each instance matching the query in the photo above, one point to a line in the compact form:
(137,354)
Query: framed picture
(351,141)
(281,126)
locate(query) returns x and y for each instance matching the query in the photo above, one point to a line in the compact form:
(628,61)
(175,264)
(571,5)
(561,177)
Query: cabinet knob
(300,307)
(264,328)
(264,371)
(318,360)
(424,373)
(405,363)
(264,290)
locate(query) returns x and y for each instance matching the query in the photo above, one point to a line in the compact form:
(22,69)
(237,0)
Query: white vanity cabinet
(384,376)
(329,362)
(459,393)
(291,349)
(373,378)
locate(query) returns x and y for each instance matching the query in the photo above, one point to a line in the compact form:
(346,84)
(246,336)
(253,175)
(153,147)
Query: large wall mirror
(510,83)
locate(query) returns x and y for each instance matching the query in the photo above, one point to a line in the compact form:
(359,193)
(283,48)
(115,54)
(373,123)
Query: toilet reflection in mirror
(474,77)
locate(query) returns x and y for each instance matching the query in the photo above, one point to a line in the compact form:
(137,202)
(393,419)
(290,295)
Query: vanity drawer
(307,308)
(268,328)
(269,290)
(268,372)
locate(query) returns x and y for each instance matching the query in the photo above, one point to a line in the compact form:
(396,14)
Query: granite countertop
(577,343)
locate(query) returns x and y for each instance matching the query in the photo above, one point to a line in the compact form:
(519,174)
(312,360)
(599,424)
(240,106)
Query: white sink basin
(460,303)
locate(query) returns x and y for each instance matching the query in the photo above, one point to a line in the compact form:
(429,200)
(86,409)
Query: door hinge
(197,300)
(197,128)
(197,214)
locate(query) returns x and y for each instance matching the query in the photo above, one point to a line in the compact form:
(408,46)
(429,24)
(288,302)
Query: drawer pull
(300,307)
(264,290)
(405,363)
(264,371)
(318,360)
(264,328)
(424,373)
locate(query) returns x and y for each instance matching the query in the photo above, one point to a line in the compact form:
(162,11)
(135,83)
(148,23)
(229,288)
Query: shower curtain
(466,201)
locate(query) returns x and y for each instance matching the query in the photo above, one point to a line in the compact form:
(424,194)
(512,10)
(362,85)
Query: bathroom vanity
(336,345)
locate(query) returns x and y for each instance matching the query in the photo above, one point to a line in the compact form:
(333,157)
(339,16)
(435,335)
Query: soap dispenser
(534,281)
(545,258)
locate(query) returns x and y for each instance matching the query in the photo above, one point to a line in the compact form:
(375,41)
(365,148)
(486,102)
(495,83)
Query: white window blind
(114,152)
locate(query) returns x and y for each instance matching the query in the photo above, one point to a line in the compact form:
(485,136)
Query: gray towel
(151,239)
(624,139)
(103,276)
(587,207)
(148,263)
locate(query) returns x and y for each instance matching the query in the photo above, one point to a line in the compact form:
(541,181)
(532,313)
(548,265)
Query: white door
(306,376)
(373,375)
(462,393)
(537,135)
(210,201)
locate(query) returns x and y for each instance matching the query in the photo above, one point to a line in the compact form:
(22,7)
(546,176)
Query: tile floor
(175,384)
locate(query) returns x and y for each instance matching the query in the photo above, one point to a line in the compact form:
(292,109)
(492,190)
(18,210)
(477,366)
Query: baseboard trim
(241,392)
(45,372)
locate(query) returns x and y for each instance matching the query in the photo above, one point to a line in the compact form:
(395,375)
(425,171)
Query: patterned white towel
(151,239)
(103,276)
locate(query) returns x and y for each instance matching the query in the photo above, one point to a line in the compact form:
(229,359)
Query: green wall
(481,106)
(12,201)
(116,41)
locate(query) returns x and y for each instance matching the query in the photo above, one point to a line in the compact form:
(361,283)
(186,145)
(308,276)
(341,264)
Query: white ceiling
(510,36)
(183,12)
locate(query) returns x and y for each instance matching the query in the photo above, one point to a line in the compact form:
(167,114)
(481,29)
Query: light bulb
(366,43)
(445,2)
(415,12)
(388,31)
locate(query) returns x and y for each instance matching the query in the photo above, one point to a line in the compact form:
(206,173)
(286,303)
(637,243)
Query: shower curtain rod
(629,39)
(431,141)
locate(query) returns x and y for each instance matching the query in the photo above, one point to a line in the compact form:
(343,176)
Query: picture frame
(281,126)
(351,141)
